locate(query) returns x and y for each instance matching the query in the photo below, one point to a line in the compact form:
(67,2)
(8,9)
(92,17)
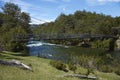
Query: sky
(48,10)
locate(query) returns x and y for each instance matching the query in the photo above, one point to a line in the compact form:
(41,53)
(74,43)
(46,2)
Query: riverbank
(42,70)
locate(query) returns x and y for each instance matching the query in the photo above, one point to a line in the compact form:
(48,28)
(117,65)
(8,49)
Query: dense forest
(80,22)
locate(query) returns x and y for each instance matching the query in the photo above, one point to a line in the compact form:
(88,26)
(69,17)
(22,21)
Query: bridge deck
(60,37)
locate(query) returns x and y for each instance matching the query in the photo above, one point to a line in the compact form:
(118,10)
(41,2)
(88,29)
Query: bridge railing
(59,36)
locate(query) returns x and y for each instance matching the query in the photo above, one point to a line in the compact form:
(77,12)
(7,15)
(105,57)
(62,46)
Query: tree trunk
(16,63)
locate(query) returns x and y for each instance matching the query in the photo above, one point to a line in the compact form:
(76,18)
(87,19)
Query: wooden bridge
(39,37)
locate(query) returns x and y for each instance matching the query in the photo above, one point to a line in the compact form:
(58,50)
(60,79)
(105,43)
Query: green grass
(42,70)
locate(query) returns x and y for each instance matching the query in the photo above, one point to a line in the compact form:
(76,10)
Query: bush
(72,67)
(16,47)
(112,44)
(89,70)
(59,65)
(83,60)
(101,44)
(106,68)
(117,71)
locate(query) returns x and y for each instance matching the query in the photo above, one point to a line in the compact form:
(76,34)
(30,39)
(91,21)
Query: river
(50,51)
(59,52)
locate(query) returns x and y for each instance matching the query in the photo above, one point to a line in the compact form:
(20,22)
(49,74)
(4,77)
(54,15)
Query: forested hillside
(80,22)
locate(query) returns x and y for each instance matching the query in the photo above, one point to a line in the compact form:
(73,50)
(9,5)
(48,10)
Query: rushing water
(50,51)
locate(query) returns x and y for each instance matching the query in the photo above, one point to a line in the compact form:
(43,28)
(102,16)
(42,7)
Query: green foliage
(13,17)
(83,60)
(112,44)
(59,65)
(24,22)
(72,67)
(106,68)
(78,23)
(11,9)
(16,47)
(117,71)
(13,22)
(101,44)
(89,70)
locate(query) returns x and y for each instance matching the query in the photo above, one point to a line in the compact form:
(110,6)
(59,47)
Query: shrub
(117,71)
(83,60)
(72,67)
(106,68)
(16,47)
(89,70)
(112,44)
(101,44)
(59,65)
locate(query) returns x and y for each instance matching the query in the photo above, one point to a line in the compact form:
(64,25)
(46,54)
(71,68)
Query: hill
(80,22)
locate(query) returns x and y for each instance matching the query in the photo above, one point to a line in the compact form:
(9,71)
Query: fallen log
(80,76)
(16,63)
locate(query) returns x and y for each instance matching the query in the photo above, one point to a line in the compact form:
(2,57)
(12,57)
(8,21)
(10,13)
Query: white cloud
(100,2)
(38,21)
(108,0)
(30,8)
(34,10)
(64,9)
(57,0)
(66,0)
(50,0)
(35,21)
(24,5)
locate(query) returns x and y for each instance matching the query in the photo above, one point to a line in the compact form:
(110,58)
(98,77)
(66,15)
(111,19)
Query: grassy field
(42,70)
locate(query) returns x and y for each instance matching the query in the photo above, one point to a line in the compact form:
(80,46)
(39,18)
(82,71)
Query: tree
(1,19)
(24,21)
(81,22)
(11,9)
(112,45)
(13,21)
(13,17)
